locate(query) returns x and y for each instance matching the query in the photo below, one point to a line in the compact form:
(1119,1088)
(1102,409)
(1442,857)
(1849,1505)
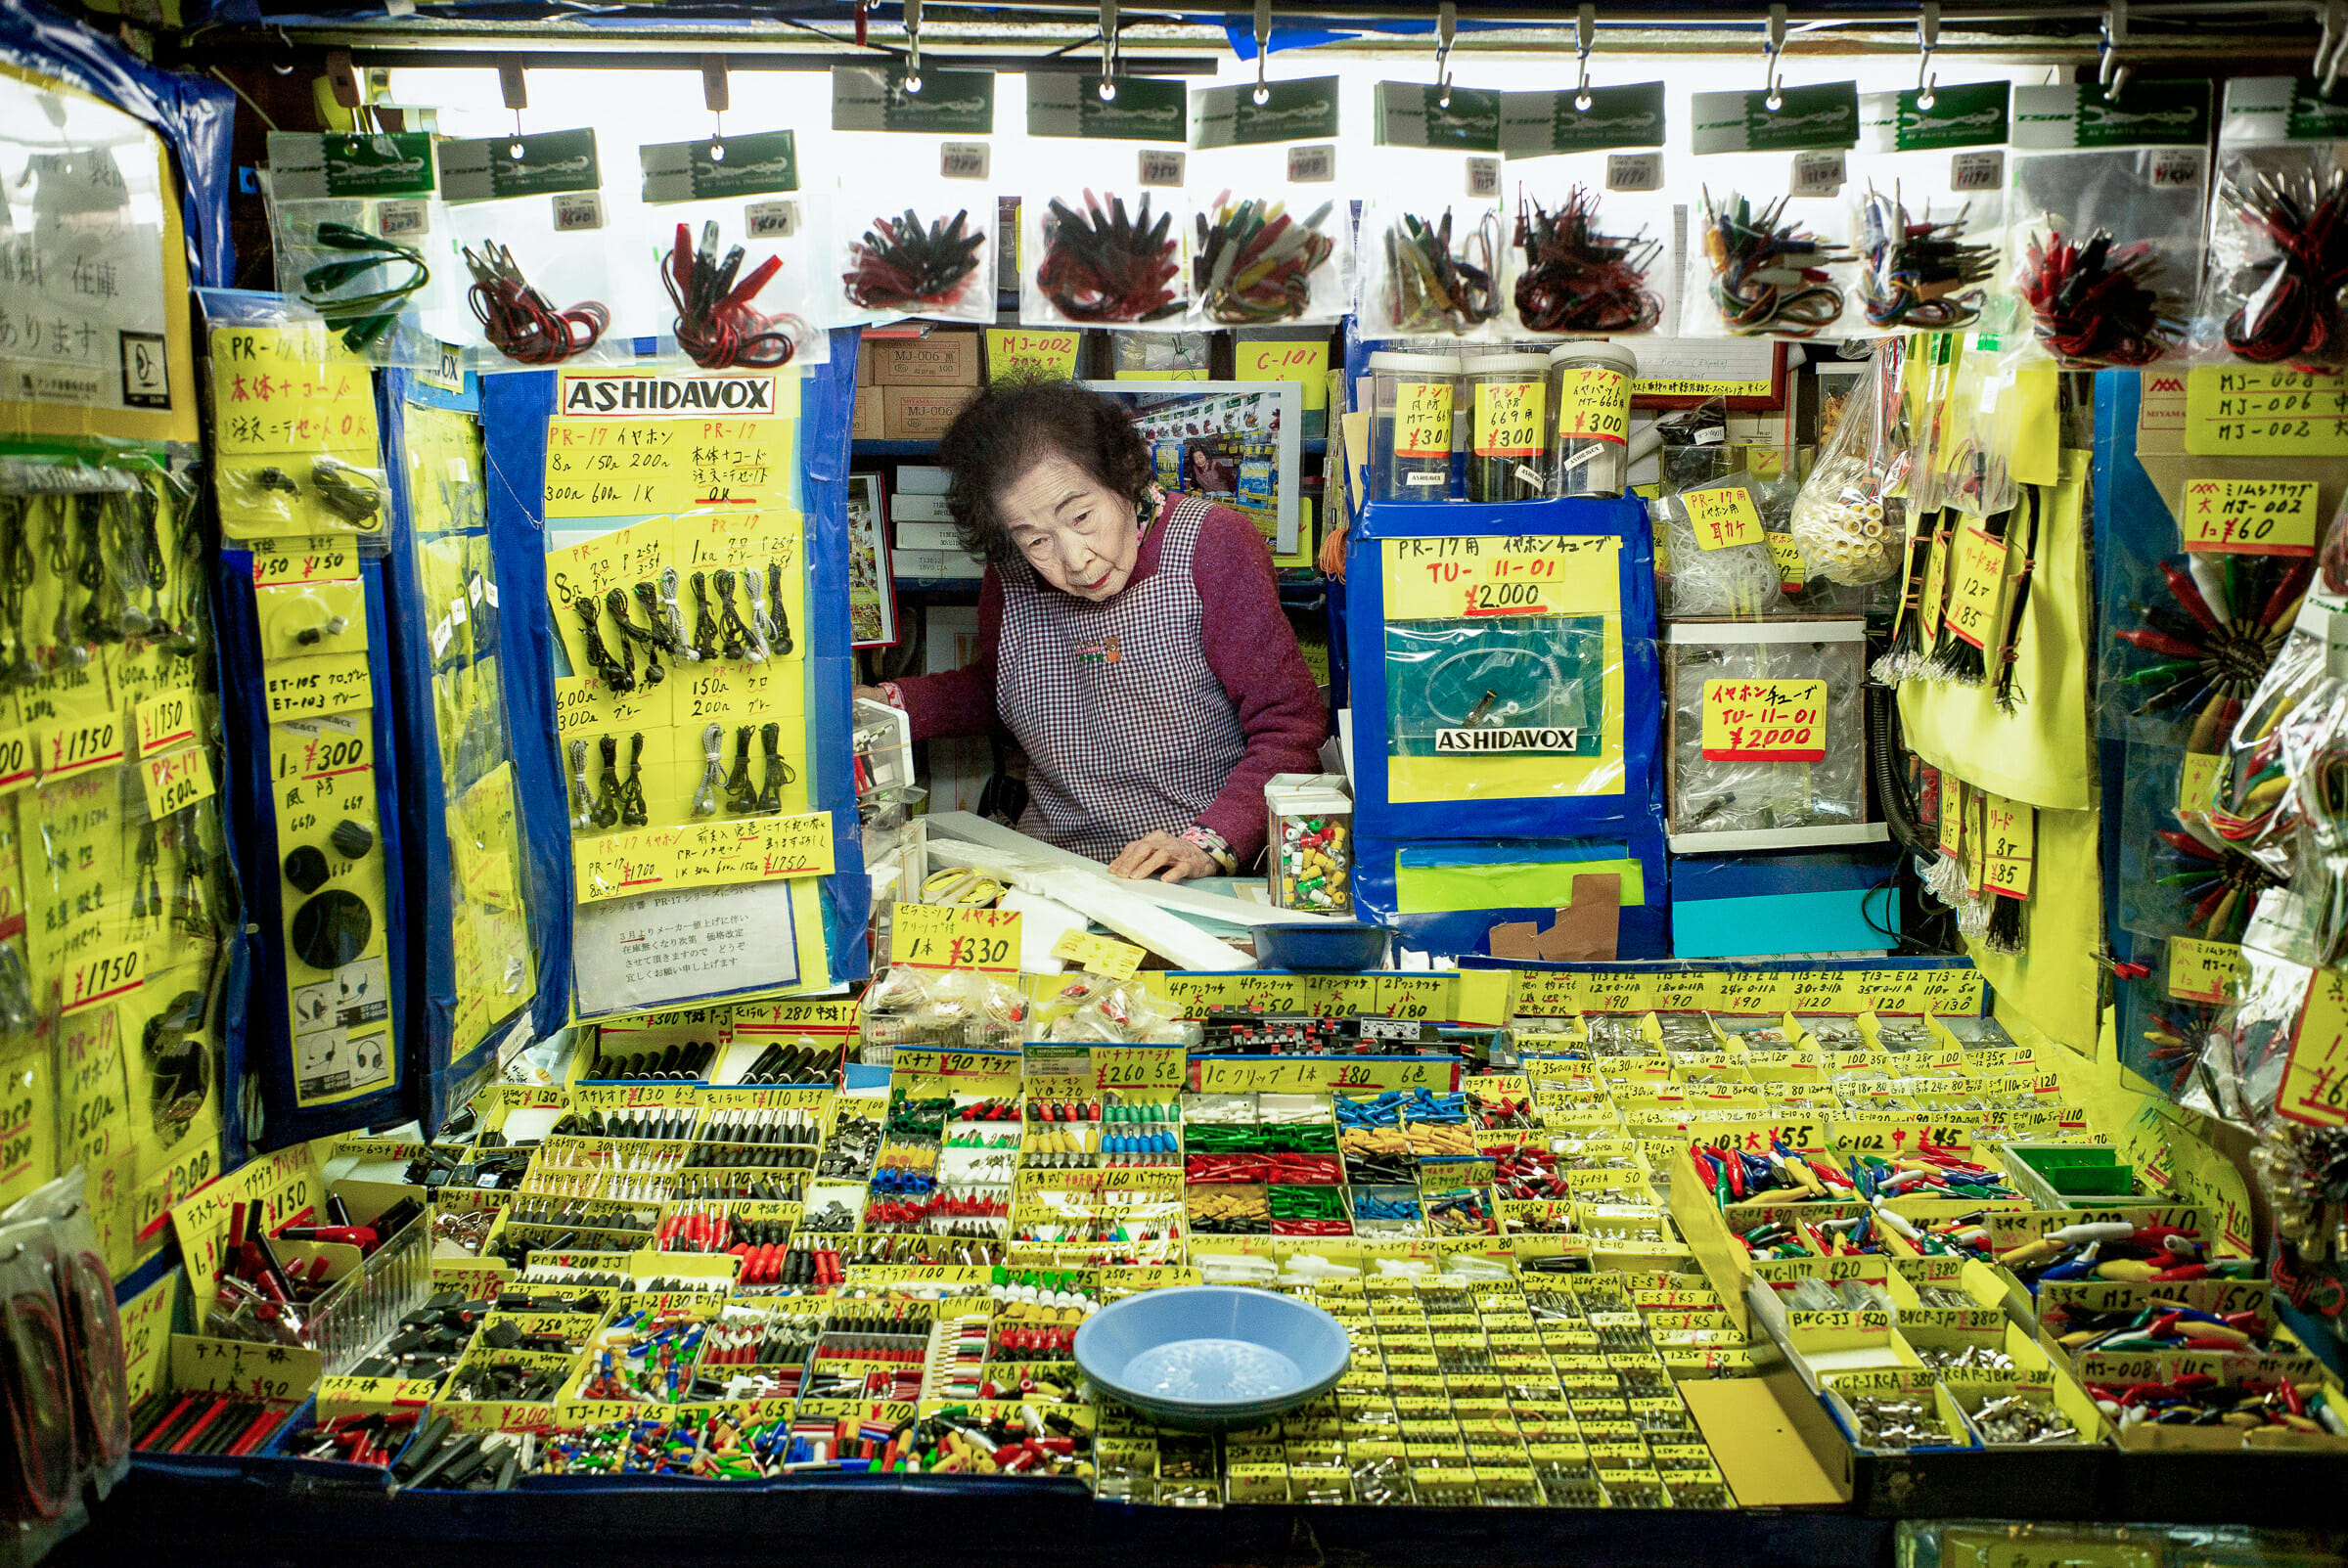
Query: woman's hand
(870,694)
(1163,855)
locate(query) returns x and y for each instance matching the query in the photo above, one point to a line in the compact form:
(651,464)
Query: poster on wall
(871,585)
(81,255)
(1235,443)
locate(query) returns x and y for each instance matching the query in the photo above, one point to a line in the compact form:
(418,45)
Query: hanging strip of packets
(110,889)
(683,628)
(300,484)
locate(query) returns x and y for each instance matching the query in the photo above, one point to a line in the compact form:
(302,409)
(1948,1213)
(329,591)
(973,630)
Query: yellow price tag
(1099,955)
(1138,1066)
(2315,1078)
(176,780)
(1791,571)
(2256,516)
(1421,418)
(1283,360)
(1480,577)
(2205,971)
(1978,586)
(1507,418)
(19,759)
(102,978)
(1724,517)
(76,747)
(1052,354)
(165,720)
(1765,721)
(2260,412)
(2010,834)
(941,936)
(1594,405)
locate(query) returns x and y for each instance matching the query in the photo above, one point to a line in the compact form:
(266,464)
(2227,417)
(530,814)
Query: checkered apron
(1127,729)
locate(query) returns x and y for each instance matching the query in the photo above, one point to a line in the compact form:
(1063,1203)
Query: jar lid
(1597,348)
(1494,364)
(1444,363)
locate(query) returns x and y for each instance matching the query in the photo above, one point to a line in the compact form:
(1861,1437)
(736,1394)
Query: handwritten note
(1765,721)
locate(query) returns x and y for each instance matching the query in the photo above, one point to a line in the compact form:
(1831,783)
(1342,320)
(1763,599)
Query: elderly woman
(1131,641)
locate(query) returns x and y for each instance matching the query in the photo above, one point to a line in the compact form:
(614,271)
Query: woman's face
(1079,535)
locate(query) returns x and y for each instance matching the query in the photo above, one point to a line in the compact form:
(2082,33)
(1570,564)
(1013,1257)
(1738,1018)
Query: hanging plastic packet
(1432,231)
(1770,236)
(1848,518)
(1589,247)
(42,1502)
(2278,229)
(93,1328)
(351,221)
(294,428)
(2105,214)
(2250,800)
(1928,208)
(1103,228)
(739,261)
(527,213)
(914,219)
(1271,234)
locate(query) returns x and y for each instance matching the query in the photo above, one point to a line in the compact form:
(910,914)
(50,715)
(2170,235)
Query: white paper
(666,948)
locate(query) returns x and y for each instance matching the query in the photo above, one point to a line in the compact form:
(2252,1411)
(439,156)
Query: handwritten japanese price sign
(1723,517)
(2315,1077)
(2261,412)
(1049,353)
(2009,831)
(2205,971)
(1479,577)
(176,780)
(1594,404)
(1978,586)
(1765,721)
(1507,418)
(702,855)
(2262,516)
(1421,418)
(1099,955)
(940,936)
(290,389)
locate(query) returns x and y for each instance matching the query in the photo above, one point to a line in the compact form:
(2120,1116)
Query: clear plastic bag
(1274,244)
(1432,231)
(1590,246)
(2252,801)
(913,220)
(1928,202)
(1769,238)
(2271,294)
(1103,220)
(1708,577)
(528,214)
(2104,241)
(741,252)
(361,236)
(1849,521)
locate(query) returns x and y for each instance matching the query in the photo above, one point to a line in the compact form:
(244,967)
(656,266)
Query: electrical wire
(518,321)
(714,324)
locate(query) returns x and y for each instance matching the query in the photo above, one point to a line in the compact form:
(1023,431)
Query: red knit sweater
(1249,645)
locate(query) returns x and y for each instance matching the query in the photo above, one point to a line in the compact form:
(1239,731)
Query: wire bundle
(2094,304)
(517,318)
(1578,279)
(1918,275)
(1105,266)
(2295,312)
(1254,263)
(363,318)
(1428,288)
(715,325)
(2226,618)
(900,264)
(1768,277)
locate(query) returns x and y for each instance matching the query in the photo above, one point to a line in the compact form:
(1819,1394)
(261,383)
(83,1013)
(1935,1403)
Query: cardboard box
(919,413)
(911,506)
(921,479)
(937,359)
(928,536)
(867,423)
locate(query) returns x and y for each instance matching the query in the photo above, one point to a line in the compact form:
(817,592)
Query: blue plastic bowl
(1338,945)
(1207,1357)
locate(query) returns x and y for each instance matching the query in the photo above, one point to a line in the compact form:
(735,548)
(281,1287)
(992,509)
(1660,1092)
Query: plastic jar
(1508,431)
(1590,420)
(1311,818)
(1411,401)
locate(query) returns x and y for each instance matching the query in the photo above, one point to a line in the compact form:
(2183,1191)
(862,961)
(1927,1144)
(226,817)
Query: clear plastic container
(1311,818)
(1589,418)
(1509,426)
(1412,397)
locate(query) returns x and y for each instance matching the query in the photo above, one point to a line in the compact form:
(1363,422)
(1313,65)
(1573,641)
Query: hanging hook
(1928,34)
(718,98)
(2333,46)
(913,46)
(2109,73)
(1109,51)
(1263,47)
(511,87)
(1772,51)
(1585,38)
(1447,21)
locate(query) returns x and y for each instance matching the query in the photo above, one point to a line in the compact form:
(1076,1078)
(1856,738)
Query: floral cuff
(891,693)
(1217,847)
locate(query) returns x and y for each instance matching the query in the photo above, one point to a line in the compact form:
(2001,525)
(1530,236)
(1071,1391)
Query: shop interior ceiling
(813,34)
